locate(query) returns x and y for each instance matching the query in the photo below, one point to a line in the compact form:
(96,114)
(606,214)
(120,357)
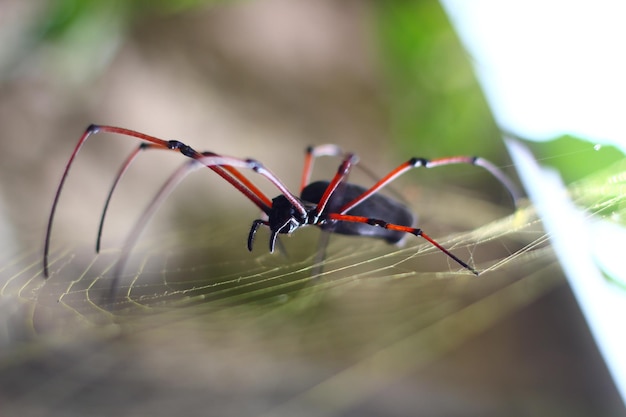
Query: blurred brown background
(264,79)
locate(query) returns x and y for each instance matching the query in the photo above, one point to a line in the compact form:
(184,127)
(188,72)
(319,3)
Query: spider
(334,206)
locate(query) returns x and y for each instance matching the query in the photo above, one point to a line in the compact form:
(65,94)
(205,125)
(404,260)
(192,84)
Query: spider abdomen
(377,206)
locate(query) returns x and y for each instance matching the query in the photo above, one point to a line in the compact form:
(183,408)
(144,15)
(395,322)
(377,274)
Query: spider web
(206,265)
(276,325)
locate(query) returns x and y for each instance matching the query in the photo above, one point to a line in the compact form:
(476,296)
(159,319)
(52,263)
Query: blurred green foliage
(84,35)
(436,105)
(575,158)
(63,16)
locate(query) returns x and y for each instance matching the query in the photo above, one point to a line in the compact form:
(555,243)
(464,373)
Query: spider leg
(129,160)
(341,175)
(400,228)
(148,212)
(253,192)
(313,152)
(260,169)
(230,174)
(158,199)
(90,130)
(255,226)
(320,254)
(432,163)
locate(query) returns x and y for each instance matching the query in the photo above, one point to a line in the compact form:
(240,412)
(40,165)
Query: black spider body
(377,206)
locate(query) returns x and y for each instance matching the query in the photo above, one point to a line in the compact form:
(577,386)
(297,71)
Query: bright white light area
(602,302)
(549,67)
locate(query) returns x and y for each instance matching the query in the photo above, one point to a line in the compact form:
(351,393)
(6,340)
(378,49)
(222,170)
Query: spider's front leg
(253,229)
